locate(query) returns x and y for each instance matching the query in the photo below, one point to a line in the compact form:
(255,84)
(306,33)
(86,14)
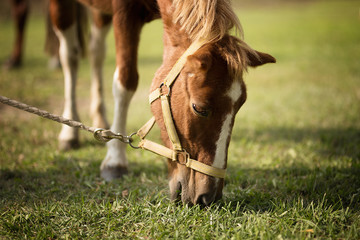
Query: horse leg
(20,9)
(127,22)
(99,29)
(52,45)
(63,17)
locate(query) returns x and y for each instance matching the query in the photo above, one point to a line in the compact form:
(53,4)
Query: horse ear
(259,58)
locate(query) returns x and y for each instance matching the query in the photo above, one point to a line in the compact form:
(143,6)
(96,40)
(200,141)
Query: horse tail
(52,42)
(210,19)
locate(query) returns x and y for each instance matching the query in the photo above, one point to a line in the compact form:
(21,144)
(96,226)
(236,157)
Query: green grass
(294,158)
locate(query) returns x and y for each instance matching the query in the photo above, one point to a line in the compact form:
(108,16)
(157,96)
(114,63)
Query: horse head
(204,99)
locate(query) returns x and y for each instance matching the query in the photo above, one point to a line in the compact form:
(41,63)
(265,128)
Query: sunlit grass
(294,158)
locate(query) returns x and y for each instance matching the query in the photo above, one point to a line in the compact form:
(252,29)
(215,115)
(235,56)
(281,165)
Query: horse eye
(200,111)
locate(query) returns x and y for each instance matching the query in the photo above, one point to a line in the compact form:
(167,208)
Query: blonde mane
(212,20)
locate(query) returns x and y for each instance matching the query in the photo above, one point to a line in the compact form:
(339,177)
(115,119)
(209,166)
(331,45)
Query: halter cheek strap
(177,154)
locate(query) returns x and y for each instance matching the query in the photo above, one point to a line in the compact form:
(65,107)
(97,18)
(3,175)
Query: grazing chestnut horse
(194,97)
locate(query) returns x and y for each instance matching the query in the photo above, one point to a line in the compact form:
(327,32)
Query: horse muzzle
(194,188)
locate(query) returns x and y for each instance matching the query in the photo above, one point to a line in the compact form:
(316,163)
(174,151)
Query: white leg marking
(234,94)
(97,56)
(116,154)
(69,57)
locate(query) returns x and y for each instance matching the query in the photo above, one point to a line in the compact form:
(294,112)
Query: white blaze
(234,94)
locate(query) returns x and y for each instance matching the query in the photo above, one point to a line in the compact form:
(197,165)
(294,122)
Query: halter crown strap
(175,71)
(177,154)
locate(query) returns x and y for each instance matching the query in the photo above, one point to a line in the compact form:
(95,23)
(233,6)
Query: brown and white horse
(207,94)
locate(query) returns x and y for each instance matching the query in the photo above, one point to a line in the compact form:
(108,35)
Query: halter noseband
(177,154)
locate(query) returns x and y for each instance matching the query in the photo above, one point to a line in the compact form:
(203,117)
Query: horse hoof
(66,145)
(113,172)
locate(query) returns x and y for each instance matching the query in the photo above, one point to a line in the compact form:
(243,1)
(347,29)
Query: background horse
(208,91)
(20,10)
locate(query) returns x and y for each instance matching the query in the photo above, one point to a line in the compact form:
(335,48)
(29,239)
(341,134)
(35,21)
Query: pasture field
(294,157)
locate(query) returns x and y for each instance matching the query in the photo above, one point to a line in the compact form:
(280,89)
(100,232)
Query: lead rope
(99,133)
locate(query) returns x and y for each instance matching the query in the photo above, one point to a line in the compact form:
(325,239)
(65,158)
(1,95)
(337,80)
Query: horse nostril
(204,200)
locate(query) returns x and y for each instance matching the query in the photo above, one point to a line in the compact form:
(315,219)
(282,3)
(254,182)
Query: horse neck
(175,40)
